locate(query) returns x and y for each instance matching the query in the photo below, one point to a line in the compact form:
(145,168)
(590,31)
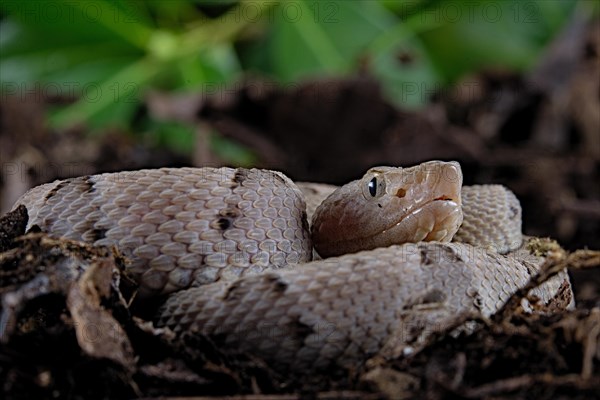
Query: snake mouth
(442,198)
(435,220)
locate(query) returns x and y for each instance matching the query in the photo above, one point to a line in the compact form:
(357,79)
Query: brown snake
(241,239)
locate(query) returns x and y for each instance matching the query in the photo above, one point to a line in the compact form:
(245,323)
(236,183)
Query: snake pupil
(373,187)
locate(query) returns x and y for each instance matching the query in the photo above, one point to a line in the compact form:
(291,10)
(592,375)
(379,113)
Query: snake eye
(375,187)
(372,186)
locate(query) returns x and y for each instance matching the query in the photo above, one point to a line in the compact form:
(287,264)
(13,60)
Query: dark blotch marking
(279,284)
(379,205)
(477,300)
(278,177)
(97,234)
(226,219)
(456,256)
(238,289)
(89,183)
(425,260)
(56,188)
(450,255)
(224,223)
(233,291)
(433,296)
(514,211)
(441,253)
(84,184)
(300,329)
(240,175)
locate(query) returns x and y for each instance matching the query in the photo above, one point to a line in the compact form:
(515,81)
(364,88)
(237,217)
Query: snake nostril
(401,193)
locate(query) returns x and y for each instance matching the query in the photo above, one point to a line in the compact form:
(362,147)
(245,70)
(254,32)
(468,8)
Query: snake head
(390,205)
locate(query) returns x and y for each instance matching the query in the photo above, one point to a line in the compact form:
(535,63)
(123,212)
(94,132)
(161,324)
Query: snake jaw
(437,220)
(444,222)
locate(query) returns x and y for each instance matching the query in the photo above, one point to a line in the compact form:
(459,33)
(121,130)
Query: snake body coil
(340,311)
(207,227)
(180,226)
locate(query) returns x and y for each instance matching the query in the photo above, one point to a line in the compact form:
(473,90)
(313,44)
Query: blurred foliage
(108,53)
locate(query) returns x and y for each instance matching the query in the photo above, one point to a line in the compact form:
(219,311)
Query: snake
(305,276)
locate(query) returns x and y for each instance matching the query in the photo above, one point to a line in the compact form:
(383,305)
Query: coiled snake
(235,245)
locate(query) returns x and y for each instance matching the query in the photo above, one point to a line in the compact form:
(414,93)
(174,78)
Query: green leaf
(110,52)
(121,91)
(474,35)
(311,37)
(176,136)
